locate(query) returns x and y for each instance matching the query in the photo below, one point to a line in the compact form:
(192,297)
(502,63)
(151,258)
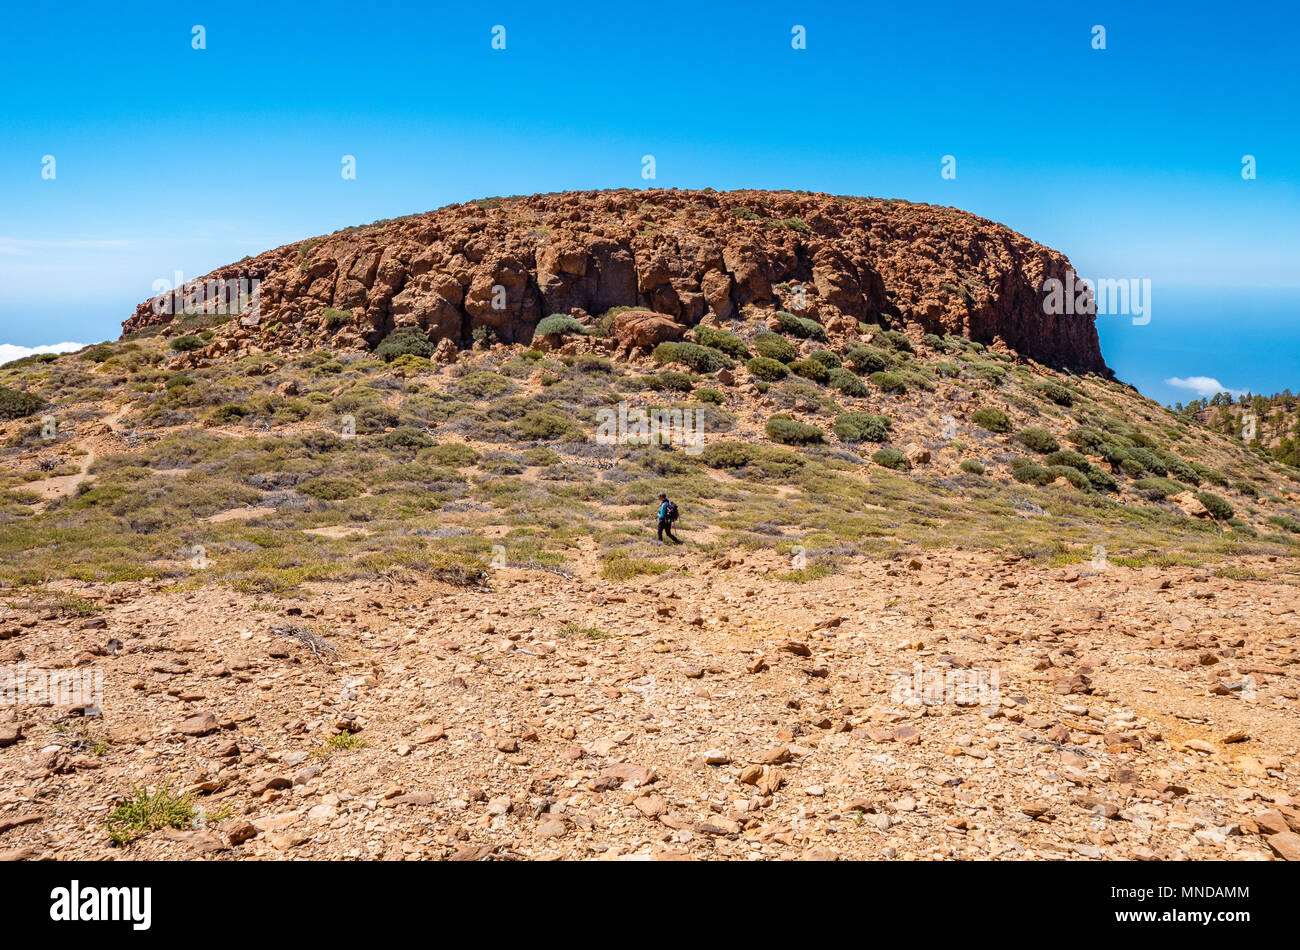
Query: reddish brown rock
(687,256)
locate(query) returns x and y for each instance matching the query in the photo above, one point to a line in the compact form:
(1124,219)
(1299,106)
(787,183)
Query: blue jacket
(663,511)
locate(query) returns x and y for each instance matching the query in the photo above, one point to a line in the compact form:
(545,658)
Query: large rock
(1190,505)
(687,255)
(634,328)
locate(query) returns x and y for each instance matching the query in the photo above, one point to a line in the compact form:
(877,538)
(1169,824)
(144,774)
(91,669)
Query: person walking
(667,515)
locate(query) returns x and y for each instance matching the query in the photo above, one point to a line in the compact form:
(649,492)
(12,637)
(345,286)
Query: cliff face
(696,256)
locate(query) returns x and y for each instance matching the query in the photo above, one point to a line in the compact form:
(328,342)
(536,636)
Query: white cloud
(1203,386)
(9,352)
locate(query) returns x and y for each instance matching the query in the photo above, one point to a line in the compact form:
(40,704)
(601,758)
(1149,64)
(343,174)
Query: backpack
(671,512)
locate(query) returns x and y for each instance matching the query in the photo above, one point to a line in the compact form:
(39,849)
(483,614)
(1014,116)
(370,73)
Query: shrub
(1219,509)
(769,460)
(728,343)
(336,319)
(782,428)
(1030,472)
(708,395)
(894,339)
(406,438)
(1071,475)
(1068,457)
(1177,468)
(14,403)
(1158,487)
(811,369)
(186,343)
(862,427)
(1101,480)
(227,414)
(542,424)
(800,326)
(702,359)
(1246,488)
(450,454)
(774,347)
(868,359)
(559,324)
(847,383)
(670,380)
(96,354)
(951,370)
(1286,522)
(590,363)
(995,420)
(1148,460)
(1211,475)
(1056,392)
(972,466)
(331,489)
(404,340)
(761,367)
(889,382)
(889,458)
(1038,439)
(826,358)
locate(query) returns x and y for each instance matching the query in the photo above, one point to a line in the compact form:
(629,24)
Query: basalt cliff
(693,256)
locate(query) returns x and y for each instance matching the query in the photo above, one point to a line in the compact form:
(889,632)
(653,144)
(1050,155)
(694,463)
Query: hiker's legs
(662,525)
(669,528)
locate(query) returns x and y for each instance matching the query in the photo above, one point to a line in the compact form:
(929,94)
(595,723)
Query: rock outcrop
(502,264)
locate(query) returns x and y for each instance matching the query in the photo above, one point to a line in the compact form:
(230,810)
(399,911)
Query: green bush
(336,319)
(714,396)
(227,414)
(1159,487)
(811,369)
(782,428)
(995,420)
(847,383)
(449,454)
(972,466)
(1101,480)
(1246,488)
(1148,460)
(404,340)
(1070,474)
(559,324)
(186,343)
(406,438)
(702,359)
(670,380)
(1038,439)
(14,403)
(868,359)
(774,347)
(1068,457)
(1285,522)
(728,343)
(1211,475)
(1178,468)
(767,459)
(950,370)
(800,326)
(590,363)
(862,427)
(1030,472)
(1056,392)
(762,367)
(543,424)
(1219,508)
(889,458)
(894,339)
(331,489)
(96,354)
(889,382)
(826,358)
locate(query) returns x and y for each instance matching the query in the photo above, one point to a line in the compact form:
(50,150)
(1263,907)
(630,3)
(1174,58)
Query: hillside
(362,587)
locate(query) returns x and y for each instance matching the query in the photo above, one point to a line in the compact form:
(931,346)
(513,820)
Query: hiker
(667,515)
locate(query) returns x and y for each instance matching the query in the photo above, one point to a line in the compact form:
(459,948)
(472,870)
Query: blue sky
(1128,159)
